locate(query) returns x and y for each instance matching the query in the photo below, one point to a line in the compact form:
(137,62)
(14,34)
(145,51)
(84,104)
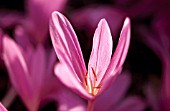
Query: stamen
(95,76)
(99,86)
(90,83)
(85,77)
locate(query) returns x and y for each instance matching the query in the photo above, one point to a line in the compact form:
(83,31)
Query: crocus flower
(2,108)
(88,17)
(114,98)
(102,69)
(30,72)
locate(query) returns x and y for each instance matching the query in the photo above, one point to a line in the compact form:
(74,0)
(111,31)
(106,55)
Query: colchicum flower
(102,69)
(30,72)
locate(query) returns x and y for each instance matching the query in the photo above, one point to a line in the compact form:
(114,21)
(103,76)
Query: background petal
(17,67)
(132,103)
(110,98)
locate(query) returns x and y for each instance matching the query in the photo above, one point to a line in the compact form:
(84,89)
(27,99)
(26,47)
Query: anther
(95,76)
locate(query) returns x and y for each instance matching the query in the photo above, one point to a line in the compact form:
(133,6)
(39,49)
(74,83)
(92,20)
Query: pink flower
(31,72)
(102,69)
(2,108)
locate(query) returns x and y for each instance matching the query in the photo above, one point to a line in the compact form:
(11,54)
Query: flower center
(90,83)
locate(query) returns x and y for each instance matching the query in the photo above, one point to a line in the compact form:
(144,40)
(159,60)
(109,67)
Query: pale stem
(90,106)
(9,97)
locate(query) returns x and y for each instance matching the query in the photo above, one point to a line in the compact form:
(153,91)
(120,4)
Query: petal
(2,108)
(38,14)
(76,104)
(37,67)
(122,47)
(114,94)
(101,51)
(119,56)
(51,61)
(22,37)
(10,19)
(17,67)
(66,44)
(132,103)
(70,80)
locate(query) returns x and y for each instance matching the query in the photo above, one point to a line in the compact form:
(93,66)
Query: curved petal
(122,47)
(119,56)
(2,108)
(132,103)
(114,94)
(66,44)
(101,51)
(70,80)
(17,67)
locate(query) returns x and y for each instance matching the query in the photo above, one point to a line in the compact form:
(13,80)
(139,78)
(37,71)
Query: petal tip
(127,21)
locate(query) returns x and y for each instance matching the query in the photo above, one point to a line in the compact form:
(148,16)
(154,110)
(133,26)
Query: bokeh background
(142,60)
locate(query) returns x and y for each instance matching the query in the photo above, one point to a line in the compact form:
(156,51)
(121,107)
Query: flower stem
(90,106)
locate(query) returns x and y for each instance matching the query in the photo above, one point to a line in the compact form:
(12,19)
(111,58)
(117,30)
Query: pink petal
(22,37)
(119,56)
(114,94)
(51,61)
(122,47)
(10,19)
(2,108)
(37,67)
(101,51)
(66,44)
(76,104)
(38,14)
(70,80)
(132,103)
(18,71)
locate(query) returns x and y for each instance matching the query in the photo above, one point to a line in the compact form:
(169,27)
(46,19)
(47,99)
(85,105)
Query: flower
(102,69)
(31,72)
